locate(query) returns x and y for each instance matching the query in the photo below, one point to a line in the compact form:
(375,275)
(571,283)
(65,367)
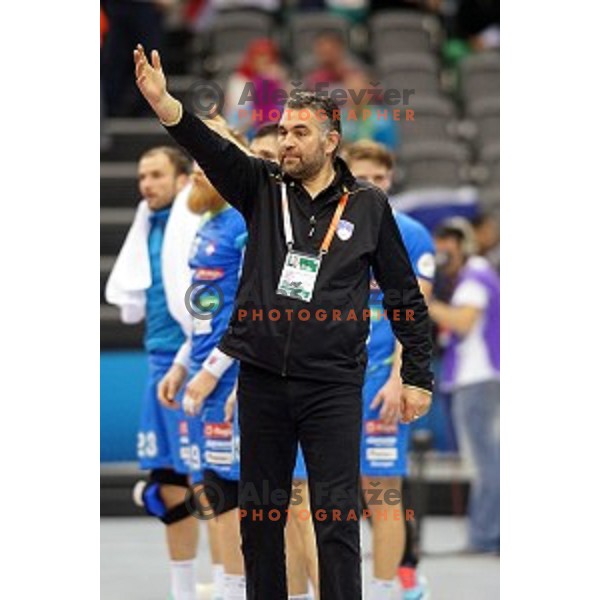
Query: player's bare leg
(382,495)
(297,575)
(228,527)
(182,542)
(216,558)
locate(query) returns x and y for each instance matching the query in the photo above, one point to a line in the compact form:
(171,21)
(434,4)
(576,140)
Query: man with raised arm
(300,324)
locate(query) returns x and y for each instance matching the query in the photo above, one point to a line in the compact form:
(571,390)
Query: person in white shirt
(471,370)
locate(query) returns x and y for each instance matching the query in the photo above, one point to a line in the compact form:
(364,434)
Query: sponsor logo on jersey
(380,428)
(381,440)
(221,445)
(209,274)
(183,428)
(219,458)
(217,430)
(382,453)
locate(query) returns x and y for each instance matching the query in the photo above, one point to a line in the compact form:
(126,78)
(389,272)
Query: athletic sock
(219,580)
(382,589)
(235,587)
(301,597)
(183,579)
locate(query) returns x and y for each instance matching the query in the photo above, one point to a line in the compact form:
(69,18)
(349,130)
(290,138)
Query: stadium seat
(432,164)
(304,28)
(403,31)
(480,76)
(131,137)
(489,157)
(489,198)
(114,225)
(106,264)
(485,113)
(231,32)
(221,66)
(418,71)
(434,117)
(115,335)
(118,184)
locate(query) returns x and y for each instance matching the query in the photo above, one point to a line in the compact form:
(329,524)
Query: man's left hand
(415,404)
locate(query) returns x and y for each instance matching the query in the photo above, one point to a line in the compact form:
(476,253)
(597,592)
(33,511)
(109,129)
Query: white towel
(131,275)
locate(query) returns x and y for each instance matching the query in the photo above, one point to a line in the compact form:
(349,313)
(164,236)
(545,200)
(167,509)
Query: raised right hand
(150,78)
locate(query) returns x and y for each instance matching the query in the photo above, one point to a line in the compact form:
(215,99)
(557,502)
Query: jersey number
(146,445)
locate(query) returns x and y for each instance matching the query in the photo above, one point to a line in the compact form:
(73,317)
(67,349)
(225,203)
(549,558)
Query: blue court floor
(134,561)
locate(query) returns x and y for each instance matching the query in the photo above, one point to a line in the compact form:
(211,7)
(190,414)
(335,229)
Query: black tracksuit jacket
(328,350)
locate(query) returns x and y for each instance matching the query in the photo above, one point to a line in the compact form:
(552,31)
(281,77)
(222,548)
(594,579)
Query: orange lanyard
(287,222)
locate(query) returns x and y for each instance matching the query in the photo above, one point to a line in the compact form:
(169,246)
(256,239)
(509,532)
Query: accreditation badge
(299,276)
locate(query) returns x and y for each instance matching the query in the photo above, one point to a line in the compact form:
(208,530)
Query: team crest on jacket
(344,230)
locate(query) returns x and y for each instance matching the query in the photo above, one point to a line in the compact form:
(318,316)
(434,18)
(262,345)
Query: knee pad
(147,495)
(222,494)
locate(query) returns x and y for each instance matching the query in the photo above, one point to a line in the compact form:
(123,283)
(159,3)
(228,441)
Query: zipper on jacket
(286,350)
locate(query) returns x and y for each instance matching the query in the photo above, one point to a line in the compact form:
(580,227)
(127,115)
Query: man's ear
(332,142)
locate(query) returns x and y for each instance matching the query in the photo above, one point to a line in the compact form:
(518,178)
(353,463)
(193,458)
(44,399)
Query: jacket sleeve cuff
(177,120)
(421,389)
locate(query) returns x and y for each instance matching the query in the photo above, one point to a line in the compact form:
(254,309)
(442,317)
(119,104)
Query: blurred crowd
(468,26)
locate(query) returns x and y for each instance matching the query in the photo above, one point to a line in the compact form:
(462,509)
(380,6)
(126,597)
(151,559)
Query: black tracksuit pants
(275,413)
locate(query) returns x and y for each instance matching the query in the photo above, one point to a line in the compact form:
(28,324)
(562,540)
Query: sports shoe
(415,587)
(206,591)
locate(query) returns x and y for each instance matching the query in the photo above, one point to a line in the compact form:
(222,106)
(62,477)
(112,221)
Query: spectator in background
(471,371)
(487,235)
(360,119)
(261,74)
(334,63)
(131,22)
